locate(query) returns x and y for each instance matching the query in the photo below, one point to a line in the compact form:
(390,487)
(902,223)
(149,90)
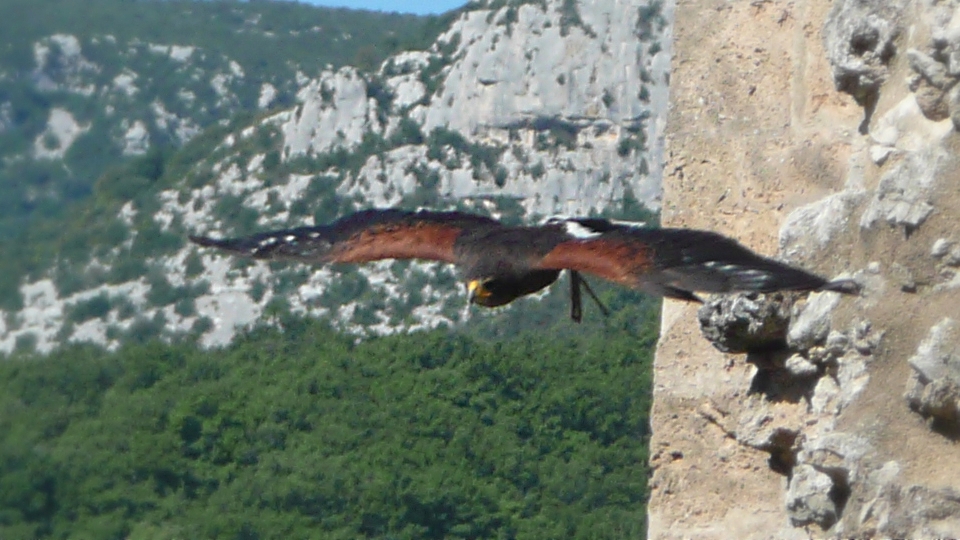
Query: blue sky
(421,7)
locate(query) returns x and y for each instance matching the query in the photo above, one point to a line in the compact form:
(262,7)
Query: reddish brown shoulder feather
(614,259)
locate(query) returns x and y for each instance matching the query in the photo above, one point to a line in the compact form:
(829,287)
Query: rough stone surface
(813,442)
(808,498)
(905,194)
(934,386)
(745,322)
(812,227)
(859,40)
(953,100)
(334,111)
(812,324)
(513,74)
(935,83)
(940,248)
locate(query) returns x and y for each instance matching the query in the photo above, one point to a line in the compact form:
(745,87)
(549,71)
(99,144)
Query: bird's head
(501,290)
(484,292)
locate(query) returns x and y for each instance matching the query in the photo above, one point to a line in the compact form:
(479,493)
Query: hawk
(501,263)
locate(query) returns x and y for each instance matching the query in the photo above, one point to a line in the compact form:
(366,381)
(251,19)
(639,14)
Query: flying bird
(501,263)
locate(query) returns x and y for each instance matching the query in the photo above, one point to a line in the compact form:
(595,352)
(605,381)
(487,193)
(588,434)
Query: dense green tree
(304,433)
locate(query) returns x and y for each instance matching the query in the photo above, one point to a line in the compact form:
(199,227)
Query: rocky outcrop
(859,38)
(842,140)
(571,110)
(934,386)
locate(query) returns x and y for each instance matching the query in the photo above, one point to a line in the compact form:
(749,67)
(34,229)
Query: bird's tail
(692,260)
(842,286)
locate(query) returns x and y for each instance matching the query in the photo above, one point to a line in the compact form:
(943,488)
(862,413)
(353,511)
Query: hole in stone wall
(948,427)
(840,492)
(864,42)
(783,455)
(776,383)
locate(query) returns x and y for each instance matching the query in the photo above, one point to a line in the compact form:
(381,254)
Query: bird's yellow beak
(477,291)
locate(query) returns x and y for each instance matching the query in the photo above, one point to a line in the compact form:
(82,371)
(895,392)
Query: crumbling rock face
(813,439)
(910,512)
(859,40)
(566,115)
(334,111)
(801,358)
(947,254)
(905,194)
(932,85)
(808,498)
(813,227)
(937,68)
(742,323)
(933,389)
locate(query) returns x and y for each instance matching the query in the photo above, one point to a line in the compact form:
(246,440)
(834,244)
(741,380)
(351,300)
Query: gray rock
(953,103)
(940,248)
(808,229)
(938,356)
(953,256)
(745,322)
(904,277)
(931,70)
(904,196)
(933,101)
(837,343)
(334,112)
(865,339)
(859,39)
(938,400)
(512,79)
(798,366)
(808,498)
(911,512)
(879,154)
(811,325)
(933,89)
(933,388)
(946,39)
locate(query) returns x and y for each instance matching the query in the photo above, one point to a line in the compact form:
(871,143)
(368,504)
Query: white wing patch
(632,224)
(579,230)
(572,227)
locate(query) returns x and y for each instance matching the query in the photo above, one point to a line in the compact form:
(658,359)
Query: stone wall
(819,132)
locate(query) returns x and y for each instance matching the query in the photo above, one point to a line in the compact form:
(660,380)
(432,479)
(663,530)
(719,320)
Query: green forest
(297,431)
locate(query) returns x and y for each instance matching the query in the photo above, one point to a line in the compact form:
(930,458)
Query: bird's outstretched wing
(674,262)
(368,235)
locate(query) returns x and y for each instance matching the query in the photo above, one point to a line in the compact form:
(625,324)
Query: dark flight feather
(677,262)
(368,235)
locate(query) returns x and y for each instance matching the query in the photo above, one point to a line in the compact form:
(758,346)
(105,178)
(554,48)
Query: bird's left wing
(368,235)
(674,262)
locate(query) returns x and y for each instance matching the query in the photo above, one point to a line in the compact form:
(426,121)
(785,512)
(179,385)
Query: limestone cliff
(830,122)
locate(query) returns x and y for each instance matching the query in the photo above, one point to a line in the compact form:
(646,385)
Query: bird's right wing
(675,262)
(367,235)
